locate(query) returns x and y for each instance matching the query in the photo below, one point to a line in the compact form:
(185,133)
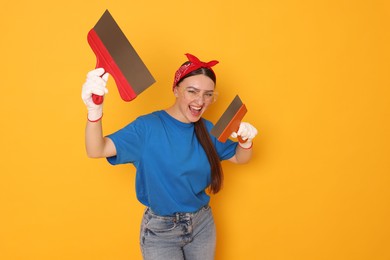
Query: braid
(215,163)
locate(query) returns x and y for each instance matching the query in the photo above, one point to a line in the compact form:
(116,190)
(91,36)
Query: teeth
(196,108)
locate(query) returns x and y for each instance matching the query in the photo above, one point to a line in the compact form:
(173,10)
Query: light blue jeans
(189,236)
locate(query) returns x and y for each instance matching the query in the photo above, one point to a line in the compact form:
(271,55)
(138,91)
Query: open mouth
(196,110)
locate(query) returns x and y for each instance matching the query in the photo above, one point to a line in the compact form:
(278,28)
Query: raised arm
(97,146)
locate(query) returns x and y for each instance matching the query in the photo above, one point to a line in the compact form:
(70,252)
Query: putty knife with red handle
(115,54)
(230,121)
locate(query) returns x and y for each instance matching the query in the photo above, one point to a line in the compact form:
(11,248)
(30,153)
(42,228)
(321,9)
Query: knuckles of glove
(246,131)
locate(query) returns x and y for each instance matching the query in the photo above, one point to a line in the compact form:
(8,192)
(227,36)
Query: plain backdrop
(314,76)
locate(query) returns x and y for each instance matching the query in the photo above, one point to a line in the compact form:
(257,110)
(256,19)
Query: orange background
(313,74)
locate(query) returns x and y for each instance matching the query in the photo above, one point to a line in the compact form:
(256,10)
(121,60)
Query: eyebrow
(194,88)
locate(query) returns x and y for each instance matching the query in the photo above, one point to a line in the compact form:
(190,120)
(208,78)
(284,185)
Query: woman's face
(193,96)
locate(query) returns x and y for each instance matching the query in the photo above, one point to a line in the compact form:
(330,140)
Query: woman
(176,160)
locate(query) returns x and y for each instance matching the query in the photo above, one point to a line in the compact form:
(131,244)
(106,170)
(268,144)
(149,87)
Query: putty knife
(115,54)
(230,121)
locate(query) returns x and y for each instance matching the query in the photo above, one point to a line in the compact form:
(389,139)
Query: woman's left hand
(247,132)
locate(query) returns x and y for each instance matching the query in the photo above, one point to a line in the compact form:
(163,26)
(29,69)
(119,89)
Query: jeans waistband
(179,216)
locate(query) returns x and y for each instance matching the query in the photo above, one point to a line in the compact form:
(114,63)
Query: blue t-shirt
(172,168)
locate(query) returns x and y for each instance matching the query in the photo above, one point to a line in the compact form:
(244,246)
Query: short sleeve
(128,142)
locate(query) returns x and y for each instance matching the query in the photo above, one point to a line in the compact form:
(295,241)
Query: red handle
(97,47)
(97,99)
(241,140)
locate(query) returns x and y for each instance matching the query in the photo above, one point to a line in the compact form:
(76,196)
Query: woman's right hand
(95,84)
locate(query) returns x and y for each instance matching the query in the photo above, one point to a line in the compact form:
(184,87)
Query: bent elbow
(93,155)
(243,160)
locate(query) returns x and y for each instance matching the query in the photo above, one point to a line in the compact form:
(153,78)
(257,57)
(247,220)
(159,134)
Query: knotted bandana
(194,64)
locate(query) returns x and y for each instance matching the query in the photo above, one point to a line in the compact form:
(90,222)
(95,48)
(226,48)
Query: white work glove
(94,84)
(247,132)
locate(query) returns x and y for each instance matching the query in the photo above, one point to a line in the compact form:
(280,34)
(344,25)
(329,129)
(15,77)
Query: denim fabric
(189,236)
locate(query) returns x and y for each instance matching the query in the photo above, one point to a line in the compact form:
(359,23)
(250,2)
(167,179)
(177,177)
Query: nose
(200,100)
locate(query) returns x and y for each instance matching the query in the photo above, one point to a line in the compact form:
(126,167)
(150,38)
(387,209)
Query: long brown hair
(204,139)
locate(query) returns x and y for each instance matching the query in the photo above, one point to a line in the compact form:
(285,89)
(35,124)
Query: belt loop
(177,217)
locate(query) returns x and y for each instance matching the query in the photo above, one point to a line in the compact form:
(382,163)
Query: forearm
(243,155)
(94,140)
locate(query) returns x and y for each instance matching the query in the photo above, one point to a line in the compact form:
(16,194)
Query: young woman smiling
(176,159)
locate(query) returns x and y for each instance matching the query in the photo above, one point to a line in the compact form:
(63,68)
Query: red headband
(194,64)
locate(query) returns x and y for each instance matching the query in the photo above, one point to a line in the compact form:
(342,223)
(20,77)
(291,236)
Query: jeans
(189,236)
